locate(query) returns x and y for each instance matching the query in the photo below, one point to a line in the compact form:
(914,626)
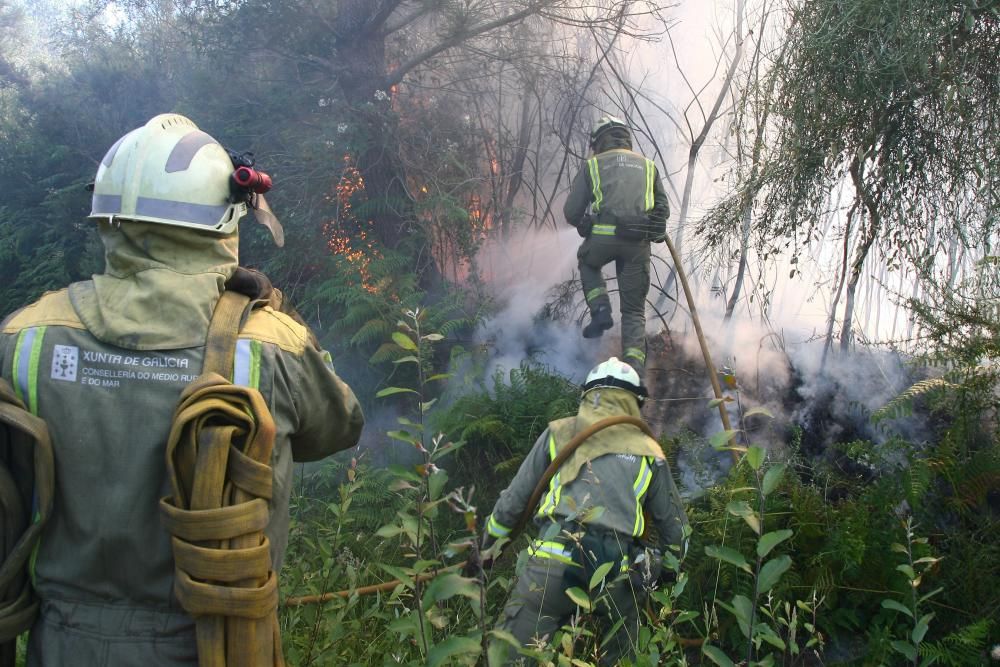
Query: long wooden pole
(710,365)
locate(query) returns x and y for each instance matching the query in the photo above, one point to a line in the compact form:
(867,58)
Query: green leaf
(920,628)
(719,440)
(755,456)
(389,391)
(716,655)
(771,637)
(407,359)
(892,604)
(716,402)
(743,609)
(730,556)
(404,472)
(398,573)
(905,649)
(446,586)
(451,647)
(436,482)
(907,570)
(741,508)
(404,436)
(772,478)
(433,337)
(599,574)
(758,411)
(934,592)
(770,540)
(404,341)
(579,598)
(389,530)
(685,616)
(439,376)
(427,405)
(772,571)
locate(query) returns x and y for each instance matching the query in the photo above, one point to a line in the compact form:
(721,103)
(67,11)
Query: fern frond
(371,331)
(965,646)
(386,352)
(509,464)
(902,405)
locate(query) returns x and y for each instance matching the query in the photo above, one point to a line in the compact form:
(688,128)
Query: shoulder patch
(54,308)
(269,326)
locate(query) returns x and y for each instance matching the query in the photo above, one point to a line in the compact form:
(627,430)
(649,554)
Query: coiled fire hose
(218,463)
(27,485)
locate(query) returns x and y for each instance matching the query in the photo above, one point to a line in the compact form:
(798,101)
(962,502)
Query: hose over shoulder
(218,456)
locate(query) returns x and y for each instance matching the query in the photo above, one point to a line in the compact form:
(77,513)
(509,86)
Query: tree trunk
(738,287)
(864,245)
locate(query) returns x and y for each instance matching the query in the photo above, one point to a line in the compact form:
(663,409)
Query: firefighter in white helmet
(104,363)
(594,511)
(619,207)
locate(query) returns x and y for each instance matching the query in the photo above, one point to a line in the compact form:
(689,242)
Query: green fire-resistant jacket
(618,184)
(103,363)
(619,470)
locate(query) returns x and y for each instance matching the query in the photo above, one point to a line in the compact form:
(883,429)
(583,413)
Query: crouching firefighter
(606,483)
(628,209)
(178,388)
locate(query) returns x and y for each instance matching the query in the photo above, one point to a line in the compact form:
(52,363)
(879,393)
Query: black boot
(600,321)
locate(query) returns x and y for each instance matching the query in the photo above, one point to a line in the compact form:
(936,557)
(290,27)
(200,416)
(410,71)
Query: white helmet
(615,373)
(605,123)
(168,172)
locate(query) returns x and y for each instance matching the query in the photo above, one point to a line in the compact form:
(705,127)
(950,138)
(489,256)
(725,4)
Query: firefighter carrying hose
(105,362)
(628,209)
(594,510)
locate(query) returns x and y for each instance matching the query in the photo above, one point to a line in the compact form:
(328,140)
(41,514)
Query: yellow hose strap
(218,463)
(27,485)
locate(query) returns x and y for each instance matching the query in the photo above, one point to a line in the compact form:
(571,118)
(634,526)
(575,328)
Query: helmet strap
(640,392)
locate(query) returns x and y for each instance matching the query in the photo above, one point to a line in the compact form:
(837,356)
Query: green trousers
(631,260)
(539,606)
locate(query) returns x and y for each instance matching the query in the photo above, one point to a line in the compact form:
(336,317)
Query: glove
(585,226)
(657,231)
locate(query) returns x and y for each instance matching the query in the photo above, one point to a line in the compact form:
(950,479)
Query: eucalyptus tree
(895,102)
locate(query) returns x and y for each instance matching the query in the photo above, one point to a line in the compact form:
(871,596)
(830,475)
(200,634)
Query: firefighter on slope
(619,470)
(628,209)
(104,362)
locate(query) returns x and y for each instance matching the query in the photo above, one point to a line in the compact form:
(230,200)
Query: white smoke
(523,272)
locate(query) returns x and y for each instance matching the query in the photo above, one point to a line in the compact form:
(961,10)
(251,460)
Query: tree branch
(397,75)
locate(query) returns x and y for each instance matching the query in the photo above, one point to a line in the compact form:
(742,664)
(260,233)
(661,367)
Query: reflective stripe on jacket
(613,492)
(618,181)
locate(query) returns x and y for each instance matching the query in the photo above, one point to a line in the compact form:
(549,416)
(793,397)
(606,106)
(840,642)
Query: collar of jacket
(619,150)
(598,404)
(159,287)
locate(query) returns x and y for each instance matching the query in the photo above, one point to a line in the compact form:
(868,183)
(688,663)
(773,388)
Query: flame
(357,249)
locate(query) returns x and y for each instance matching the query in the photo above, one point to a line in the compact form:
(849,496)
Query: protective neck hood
(616,137)
(159,287)
(598,404)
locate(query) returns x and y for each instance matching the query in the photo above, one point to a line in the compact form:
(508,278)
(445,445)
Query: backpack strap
(222,333)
